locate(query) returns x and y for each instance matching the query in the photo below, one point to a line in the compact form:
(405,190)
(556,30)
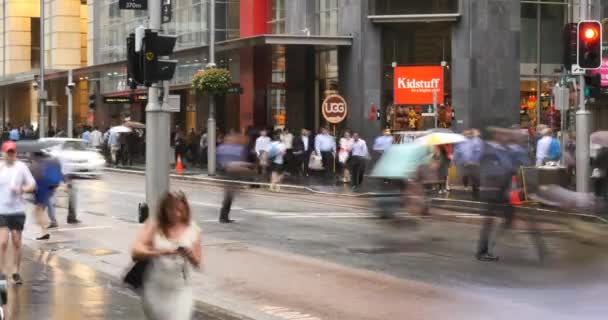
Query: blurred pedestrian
(382,143)
(442,165)
(359,157)
(325,147)
(48,175)
(547,148)
(287,139)
(15,180)
(303,147)
(171,245)
(14,134)
(467,155)
(203,148)
(179,142)
(96,138)
(346,143)
(276,157)
(86,135)
(113,142)
(262,143)
(232,156)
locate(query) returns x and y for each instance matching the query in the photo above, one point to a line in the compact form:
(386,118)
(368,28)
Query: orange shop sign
(415,85)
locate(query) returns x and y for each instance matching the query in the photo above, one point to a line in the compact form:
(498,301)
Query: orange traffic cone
(514,193)
(179,167)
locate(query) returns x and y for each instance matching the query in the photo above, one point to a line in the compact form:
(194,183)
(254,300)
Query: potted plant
(213,81)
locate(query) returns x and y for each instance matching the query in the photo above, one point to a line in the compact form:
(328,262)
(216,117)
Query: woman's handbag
(315,163)
(135,276)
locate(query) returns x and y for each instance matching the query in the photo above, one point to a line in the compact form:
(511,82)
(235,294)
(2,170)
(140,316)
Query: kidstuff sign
(415,85)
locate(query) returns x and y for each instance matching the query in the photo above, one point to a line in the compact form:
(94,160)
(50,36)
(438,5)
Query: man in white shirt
(359,156)
(325,146)
(96,138)
(276,155)
(15,180)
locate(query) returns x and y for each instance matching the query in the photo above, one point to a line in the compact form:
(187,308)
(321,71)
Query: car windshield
(75,145)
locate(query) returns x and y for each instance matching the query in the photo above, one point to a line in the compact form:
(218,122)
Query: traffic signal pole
(157,132)
(211,139)
(583,123)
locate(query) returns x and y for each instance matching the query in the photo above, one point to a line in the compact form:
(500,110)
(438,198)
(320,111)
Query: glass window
(276,22)
(327,16)
(388,7)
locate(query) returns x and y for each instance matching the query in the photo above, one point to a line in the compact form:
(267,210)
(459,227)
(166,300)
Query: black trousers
(328,162)
(229,193)
(471,177)
(357,170)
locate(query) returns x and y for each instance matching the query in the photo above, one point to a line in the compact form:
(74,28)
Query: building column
(63,31)
(485,64)
(360,67)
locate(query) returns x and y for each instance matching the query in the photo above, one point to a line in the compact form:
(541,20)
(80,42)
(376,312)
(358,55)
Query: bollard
(143,212)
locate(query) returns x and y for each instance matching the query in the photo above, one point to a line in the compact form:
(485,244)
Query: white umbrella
(437,138)
(120,129)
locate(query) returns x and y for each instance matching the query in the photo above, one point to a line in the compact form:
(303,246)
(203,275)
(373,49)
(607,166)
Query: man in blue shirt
(86,135)
(325,146)
(14,134)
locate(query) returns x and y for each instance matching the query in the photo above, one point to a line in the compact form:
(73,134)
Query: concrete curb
(442,203)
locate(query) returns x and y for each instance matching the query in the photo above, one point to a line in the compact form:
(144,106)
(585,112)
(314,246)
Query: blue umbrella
(400,161)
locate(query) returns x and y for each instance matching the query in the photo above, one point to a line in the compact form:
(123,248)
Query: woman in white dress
(172,244)
(346,144)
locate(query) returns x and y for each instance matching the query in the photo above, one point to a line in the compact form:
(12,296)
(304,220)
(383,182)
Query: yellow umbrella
(438,138)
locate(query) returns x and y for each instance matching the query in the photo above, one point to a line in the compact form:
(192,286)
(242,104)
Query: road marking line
(81,228)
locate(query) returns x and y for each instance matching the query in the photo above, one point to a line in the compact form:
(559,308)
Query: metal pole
(583,123)
(157,132)
(69,90)
(211,140)
(435,109)
(538,65)
(41,92)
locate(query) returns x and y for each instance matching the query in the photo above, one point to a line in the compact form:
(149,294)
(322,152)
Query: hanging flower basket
(215,81)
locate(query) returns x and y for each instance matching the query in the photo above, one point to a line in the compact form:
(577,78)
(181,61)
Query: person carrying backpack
(48,175)
(276,157)
(548,148)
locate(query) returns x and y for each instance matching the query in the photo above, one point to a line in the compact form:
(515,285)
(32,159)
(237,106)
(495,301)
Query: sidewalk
(240,281)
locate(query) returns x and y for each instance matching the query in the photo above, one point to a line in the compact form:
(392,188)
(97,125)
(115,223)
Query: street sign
(334,109)
(133,4)
(418,85)
(174,103)
(577,70)
(167,11)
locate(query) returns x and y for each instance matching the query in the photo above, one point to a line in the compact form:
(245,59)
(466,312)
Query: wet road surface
(57,289)
(571,281)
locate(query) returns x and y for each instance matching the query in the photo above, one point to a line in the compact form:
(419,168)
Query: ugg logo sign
(334,109)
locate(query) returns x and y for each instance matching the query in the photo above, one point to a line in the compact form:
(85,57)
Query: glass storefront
(414,44)
(277,91)
(541,54)
(327,17)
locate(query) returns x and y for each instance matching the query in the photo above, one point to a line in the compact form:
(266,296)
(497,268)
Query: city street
(265,261)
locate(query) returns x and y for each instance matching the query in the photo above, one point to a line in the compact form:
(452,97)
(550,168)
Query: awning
(409,18)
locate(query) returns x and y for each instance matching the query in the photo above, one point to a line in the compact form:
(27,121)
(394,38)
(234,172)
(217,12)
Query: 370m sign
(133,4)
(334,109)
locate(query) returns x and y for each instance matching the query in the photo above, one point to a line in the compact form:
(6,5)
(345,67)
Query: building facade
(500,58)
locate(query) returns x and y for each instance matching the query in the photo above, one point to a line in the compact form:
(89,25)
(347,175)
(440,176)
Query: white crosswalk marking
(287,314)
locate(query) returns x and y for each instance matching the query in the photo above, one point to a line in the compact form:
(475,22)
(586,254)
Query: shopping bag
(316,162)
(343,156)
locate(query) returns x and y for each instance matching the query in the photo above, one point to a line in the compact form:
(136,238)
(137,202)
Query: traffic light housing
(155,48)
(589,44)
(570,45)
(135,74)
(92,98)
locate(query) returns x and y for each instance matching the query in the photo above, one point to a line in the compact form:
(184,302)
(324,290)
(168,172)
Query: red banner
(415,85)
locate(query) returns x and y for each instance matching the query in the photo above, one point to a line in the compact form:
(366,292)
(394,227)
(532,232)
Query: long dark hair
(167,203)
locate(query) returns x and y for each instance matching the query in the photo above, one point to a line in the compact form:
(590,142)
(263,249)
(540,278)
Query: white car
(77,157)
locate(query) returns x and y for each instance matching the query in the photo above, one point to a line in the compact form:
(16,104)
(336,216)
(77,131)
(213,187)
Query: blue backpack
(52,173)
(555,151)
(273,151)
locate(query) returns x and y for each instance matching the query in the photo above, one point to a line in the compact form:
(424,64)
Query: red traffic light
(589,53)
(591,33)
